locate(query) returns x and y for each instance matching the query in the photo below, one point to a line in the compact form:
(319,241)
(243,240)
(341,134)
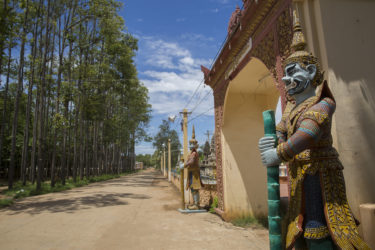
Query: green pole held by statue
(273,186)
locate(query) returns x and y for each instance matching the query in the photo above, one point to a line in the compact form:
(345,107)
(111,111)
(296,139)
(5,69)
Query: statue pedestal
(188,211)
(367,212)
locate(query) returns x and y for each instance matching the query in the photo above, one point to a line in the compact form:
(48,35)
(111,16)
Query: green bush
(250,221)
(5,202)
(215,204)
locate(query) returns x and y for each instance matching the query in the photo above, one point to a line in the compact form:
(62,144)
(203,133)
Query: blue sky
(175,38)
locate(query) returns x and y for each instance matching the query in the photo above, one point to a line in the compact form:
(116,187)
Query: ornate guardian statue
(319,216)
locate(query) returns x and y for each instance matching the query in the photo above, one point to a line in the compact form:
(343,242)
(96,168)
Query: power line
(200,101)
(179,120)
(195,117)
(212,62)
(187,104)
(191,98)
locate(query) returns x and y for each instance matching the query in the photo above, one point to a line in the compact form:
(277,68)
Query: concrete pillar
(164,168)
(367,212)
(161,162)
(183,173)
(169,160)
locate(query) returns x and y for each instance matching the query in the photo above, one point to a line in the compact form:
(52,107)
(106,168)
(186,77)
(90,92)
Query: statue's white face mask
(297,79)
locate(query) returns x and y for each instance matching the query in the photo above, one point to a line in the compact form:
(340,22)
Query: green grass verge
(5,202)
(250,221)
(20,191)
(215,204)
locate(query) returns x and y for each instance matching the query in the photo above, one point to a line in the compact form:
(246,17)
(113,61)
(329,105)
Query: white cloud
(187,60)
(221,1)
(180,20)
(139,20)
(173,76)
(196,37)
(216,10)
(164,54)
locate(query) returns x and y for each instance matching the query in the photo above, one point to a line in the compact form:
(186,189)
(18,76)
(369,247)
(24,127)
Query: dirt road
(133,212)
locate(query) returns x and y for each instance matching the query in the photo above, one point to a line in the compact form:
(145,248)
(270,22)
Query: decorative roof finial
(234,19)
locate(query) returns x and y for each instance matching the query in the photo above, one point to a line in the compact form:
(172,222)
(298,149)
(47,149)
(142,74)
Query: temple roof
(242,26)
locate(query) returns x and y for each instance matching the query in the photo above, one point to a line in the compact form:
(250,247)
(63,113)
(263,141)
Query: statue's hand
(266,143)
(270,158)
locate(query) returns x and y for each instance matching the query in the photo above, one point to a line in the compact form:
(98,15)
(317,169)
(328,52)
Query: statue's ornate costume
(318,208)
(193,178)
(192,164)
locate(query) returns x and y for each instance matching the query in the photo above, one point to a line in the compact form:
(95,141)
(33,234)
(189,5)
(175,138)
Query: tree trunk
(106,159)
(54,140)
(37,104)
(49,111)
(87,148)
(4,115)
(5,7)
(82,148)
(63,159)
(95,150)
(69,155)
(25,153)
(17,102)
(41,105)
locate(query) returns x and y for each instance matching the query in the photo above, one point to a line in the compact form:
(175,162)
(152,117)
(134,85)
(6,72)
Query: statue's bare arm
(191,160)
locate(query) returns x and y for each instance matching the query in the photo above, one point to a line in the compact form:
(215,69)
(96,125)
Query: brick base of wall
(207,195)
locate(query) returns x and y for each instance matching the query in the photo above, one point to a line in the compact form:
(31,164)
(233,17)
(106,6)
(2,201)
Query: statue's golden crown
(300,55)
(193,142)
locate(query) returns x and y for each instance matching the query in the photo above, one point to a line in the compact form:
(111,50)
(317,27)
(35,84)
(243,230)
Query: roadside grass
(20,191)
(5,202)
(215,204)
(243,221)
(250,222)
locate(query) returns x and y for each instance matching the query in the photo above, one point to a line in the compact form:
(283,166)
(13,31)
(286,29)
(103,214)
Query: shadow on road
(73,204)
(64,203)
(142,180)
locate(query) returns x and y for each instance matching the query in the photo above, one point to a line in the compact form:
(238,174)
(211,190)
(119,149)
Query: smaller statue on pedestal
(193,178)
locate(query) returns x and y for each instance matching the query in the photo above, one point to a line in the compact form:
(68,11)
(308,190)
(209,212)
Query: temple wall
(341,33)
(245,188)
(244,177)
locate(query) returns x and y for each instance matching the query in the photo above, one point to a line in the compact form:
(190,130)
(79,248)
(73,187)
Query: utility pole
(161,161)
(208,135)
(165,172)
(183,172)
(169,160)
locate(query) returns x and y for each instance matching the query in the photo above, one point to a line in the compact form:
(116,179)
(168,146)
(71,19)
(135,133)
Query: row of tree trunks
(70,81)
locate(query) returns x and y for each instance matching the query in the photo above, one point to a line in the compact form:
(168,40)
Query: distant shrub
(215,204)
(250,221)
